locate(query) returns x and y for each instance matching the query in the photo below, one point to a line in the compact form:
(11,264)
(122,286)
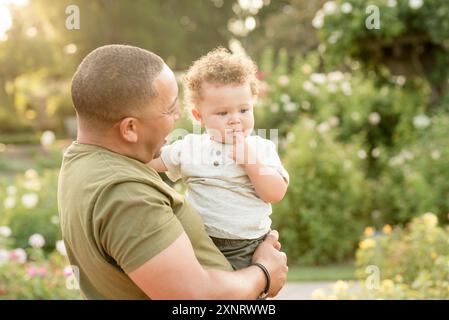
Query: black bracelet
(267,276)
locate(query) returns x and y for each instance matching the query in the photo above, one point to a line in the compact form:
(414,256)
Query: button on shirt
(219,188)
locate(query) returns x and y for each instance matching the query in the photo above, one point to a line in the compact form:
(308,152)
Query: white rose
(5,231)
(47,138)
(346,7)
(374,118)
(421,121)
(30,200)
(335,76)
(36,241)
(318,78)
(361,154)
(318,21)
(392,3)
(290,106)
(330,7)
(375,152)
(18,254)
(31,174)
(415,4)
(308,86)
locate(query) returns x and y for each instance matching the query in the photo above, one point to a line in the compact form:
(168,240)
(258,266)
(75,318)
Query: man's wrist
(267,279)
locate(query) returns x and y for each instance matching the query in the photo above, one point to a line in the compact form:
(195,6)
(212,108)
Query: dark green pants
(238,252)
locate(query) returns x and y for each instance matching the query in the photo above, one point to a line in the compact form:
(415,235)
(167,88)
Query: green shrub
(36,276)
(413,262)
(400,263)
(30,206)
(380,113)
(414,179)
(322,214)
(405,29)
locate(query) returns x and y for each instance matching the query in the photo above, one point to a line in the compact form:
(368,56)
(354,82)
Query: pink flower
(18,255)
(31,271)
(42,271)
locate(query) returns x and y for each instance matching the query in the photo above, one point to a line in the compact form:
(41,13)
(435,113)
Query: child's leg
(238,252)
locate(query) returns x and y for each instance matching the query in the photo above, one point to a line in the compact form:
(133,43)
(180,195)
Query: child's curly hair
(220,67)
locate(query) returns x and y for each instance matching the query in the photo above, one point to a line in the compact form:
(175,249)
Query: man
(130,235)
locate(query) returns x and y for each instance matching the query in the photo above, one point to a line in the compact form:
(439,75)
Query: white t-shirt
(219,188)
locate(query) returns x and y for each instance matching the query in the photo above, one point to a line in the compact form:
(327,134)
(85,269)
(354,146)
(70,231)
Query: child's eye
(244,110)
(222,113)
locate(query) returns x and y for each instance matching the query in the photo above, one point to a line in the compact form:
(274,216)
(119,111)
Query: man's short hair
(113,82)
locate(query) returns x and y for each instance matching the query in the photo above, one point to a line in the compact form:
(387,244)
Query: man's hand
(274,260)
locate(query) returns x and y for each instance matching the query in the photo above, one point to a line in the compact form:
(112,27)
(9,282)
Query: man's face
(226,111)
(158,120)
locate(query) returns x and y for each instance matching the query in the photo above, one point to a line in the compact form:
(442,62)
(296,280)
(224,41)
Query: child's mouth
(232,131)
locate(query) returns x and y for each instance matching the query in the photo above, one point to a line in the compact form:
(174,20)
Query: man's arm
(158,165)
(175,273)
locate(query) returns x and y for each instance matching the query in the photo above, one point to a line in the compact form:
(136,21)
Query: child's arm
(270,186)
(158,165)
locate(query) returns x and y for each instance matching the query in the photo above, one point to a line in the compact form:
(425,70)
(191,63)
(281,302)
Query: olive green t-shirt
(116,213)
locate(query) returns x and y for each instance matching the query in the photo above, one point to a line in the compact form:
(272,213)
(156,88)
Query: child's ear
(197,115)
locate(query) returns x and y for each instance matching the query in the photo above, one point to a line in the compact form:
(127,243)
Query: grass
(321,273)
(19,138)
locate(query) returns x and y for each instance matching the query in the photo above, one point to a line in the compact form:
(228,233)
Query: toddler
(232,177)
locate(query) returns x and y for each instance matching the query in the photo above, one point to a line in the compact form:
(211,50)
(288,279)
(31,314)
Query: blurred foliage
(359,150)
(285,25)
(413,261)
(31,274)
(29,206)
(414,178)
(325,198)
(411,38)
(399,263)
(34,88)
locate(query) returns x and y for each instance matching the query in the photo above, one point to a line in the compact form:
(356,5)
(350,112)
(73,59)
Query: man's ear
(197,115)
(128,130)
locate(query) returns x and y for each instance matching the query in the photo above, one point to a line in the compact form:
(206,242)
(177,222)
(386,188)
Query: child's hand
(242,152)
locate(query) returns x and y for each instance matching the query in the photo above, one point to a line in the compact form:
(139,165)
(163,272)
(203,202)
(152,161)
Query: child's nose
(234,119)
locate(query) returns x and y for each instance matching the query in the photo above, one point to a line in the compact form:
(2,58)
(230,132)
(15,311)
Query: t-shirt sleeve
(271,159)
(134,222)
(171,156)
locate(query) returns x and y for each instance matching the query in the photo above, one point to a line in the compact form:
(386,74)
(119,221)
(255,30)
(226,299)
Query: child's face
(226,111)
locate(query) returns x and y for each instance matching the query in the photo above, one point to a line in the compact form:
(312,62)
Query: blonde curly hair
(219,67)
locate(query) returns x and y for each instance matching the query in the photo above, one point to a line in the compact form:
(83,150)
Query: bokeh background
(362,115)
